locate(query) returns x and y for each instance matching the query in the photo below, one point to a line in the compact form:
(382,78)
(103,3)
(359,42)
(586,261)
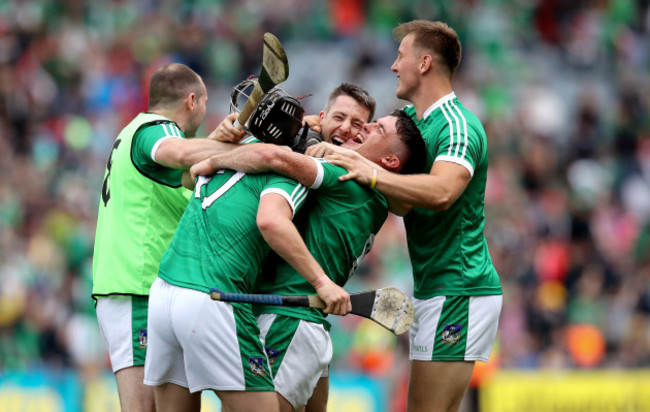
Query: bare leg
(135,396)
(241,401)
(175,398)
(318,400)
(285,405)
(438,386)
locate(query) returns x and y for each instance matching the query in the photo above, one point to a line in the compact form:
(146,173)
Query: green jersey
(140,206)
(338,226)
(448,249)
(217,243)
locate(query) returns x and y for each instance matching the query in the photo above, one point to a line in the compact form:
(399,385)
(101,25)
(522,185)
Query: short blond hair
(434,37)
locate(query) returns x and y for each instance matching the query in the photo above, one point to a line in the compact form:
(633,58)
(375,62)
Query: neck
(429,93)
(171,115)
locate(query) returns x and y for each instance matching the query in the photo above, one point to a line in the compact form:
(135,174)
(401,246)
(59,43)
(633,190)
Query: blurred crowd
(563,89)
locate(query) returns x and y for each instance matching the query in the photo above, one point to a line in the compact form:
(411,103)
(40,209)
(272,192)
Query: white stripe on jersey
(155,147)
(164,126)
(464,126)
(290,199)
(451,130)
(467,165)
(447,106)
(298,195)
(320,173)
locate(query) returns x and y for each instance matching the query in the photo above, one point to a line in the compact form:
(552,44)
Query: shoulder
(160,128)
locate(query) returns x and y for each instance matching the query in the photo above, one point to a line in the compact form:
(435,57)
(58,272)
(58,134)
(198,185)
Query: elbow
(267,224)
(184,157)
(439,203)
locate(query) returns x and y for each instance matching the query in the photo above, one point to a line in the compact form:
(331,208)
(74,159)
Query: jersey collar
(439,103)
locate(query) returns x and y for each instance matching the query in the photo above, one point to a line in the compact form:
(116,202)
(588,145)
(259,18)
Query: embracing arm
(179,153)
(437,190)
(260,158)
(274,221)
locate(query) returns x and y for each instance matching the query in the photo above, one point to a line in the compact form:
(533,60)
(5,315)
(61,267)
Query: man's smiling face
(343,120)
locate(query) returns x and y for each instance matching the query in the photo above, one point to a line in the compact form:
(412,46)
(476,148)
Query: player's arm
(274,219)
(177,153)
(260,158)
(226,130)
(437,190)
(187,181)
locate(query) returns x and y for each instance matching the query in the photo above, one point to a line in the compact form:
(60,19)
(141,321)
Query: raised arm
(274,221)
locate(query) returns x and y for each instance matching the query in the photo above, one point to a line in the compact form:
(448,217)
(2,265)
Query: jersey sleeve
(458,142)
(294,193)
(143,152)
(327,175)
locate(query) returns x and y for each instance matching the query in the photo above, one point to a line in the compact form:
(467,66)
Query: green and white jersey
(217,243)
(448,249)
(338,226)
(140,206)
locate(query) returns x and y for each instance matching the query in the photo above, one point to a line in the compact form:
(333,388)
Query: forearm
(274,221)
(419,190)
(283,237)
(183,153)
(260,158)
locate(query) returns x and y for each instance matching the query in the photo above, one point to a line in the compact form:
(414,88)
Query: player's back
(217,242)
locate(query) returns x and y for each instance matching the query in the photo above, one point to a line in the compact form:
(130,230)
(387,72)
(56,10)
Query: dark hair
(435,37)
(358,93)
(412,138)
(171,83)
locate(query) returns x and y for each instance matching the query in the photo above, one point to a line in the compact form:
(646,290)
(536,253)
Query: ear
(190,101)
(390,162)
(322,116)
(426,63)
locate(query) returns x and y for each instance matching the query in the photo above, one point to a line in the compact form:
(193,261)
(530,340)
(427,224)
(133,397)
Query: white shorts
(298,351)
(123,325)
(454,328)
(199,343)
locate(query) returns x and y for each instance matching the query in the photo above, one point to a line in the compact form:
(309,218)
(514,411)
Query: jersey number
(106,193)
(209,200)
(366,249)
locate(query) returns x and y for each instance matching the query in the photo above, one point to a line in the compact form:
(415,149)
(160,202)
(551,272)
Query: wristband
(373,182)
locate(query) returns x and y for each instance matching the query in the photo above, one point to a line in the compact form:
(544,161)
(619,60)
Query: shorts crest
(257,365)
(451,334)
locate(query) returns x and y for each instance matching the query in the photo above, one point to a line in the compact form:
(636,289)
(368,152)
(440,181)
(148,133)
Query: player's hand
(334,296)
(358,169)
(205,167)
(226,131)
(313,121)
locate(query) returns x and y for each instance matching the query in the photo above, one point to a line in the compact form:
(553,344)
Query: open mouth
(358,138)
(338,141)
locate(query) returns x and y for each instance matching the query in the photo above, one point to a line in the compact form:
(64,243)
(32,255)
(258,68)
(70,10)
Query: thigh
(248,401)
(298,351)
(318,400)
(134,395)
(165,362)
(454,328)
(437,386)
(174,398)
(123,325)
(221,344)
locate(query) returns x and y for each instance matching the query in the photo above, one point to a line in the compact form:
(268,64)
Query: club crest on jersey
(257,365)
(451,334)
(272,355)
(142,337)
